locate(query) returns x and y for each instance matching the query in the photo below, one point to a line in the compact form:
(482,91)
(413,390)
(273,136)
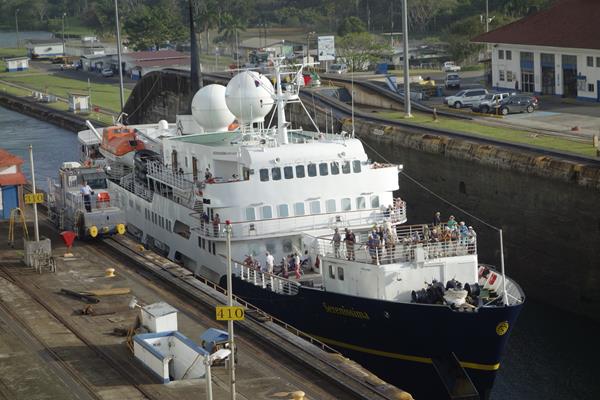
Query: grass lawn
(501,133)
(103,94)
(9,52)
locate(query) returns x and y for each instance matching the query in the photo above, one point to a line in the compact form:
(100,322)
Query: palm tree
(228,29)
(207,16)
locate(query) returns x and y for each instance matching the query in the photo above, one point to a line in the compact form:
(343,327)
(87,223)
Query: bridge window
(330,206)
(346,205)
(335,168)
(266,212)
(331,273)
(323,170)
(283,211)
(356,166)
(374,201)
(360,203)
(340,272)
(300,172)
(315,207)
(264,175)
(288,172)
(312,169)
(298,209)
(346,167)
(181,229)
(250,214)
(276,173)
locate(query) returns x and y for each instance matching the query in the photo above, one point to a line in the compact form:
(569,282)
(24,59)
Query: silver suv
(465,98)
(490,102)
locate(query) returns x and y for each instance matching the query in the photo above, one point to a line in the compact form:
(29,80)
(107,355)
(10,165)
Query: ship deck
(72,356)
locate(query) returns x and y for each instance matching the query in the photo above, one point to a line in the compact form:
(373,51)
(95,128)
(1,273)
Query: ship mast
(281,121)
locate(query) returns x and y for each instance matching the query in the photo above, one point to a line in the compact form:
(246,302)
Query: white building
(553,52)
(17,64)
(79,102)
(44,48)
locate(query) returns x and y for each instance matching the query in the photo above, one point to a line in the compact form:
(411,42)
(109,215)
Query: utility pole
(119,57)
(35,213)
(487,16)
(63,33)
(230,304)
(17,26)
(407,110)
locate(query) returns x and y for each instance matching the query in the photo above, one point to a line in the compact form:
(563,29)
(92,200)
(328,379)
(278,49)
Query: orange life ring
(233,126)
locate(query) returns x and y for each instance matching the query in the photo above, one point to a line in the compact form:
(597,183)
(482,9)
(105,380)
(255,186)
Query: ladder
(14,214)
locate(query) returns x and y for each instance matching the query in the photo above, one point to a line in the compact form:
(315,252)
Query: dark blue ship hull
(396,341)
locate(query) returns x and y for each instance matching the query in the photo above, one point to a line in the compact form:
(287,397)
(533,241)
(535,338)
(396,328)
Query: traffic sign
(31,198)
(225,313)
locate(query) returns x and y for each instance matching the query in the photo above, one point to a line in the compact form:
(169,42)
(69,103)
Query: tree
(359,49)
(230,25)
(149,26)
(351,25)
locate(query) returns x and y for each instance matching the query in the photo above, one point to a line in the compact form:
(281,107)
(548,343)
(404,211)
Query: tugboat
(407,302)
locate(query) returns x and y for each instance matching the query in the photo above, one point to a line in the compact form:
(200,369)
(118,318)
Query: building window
(508,55)
(323,170)
(346,167)
(250,214)
(501,75)
(288,172)
(340,272)
(266,212)
(276,173)
(375,201)
(331,273)
(346,205)
(598,62)
(335,168)
(298,209)
(283,211)
(312,170)
(264,175)
(590,87)
(509,76)
(360,203)
(590,61)
(315,207)
(300,172)
(356,166)
(500,54)
(330,206)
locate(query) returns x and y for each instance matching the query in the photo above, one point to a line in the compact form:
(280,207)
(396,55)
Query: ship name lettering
(346,312)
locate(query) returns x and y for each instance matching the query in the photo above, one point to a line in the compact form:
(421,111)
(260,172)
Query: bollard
(435,116)
(110,272)
(299,395)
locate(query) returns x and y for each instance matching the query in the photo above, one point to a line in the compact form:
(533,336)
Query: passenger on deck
(297,265)
(306,261)
(463,232)
(336,240)
(350,239)
(437,220)
(216,224)
(472,238)
(452,224)
(390,238)
(207,174)
(269,262)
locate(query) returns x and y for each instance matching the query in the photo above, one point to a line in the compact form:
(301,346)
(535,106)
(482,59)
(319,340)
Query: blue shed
(11,183)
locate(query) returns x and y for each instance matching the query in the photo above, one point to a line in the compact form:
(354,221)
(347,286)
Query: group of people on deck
(453,230)
(290,263)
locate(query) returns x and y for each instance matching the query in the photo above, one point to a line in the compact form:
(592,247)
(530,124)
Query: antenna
(352,95)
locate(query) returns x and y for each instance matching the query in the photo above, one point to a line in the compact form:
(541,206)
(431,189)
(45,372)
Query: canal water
(551,354)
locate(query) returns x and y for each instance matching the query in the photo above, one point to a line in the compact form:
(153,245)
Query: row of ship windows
(283,211)
(302,171)
(157,219)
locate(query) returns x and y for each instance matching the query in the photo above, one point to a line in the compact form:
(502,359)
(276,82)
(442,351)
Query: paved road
(94,77)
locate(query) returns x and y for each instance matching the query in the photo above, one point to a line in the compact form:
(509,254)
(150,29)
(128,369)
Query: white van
(465,98)
(337,69)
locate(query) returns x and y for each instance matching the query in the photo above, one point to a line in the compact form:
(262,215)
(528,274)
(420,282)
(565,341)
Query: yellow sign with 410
(225,313)
(31,198)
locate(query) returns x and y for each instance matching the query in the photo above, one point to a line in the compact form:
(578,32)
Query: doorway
(548,74)
(569,67)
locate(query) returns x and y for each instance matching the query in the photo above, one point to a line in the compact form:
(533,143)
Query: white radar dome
(210,110)
(249,96)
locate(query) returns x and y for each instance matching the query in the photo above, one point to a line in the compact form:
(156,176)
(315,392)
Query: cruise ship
(405,301)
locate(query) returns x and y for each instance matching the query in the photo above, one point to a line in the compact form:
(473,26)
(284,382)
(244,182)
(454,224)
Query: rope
(432,192)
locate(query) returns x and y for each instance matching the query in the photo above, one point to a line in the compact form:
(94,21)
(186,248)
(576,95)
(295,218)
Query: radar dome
(248,96)
(210,110)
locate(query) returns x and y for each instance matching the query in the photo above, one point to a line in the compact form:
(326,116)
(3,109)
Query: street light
(230,304)
(308,35)
(63,32)
(208,362)
(407,110)
(17,25)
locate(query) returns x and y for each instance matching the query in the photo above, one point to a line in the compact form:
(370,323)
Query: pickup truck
(450,66)
(489,102)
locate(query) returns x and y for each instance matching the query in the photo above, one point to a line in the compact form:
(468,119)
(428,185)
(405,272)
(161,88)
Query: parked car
(107,72)
(518,104)
(452,81)
(490,102)
(450,66)
(465,98)
(337,69)
(67,66)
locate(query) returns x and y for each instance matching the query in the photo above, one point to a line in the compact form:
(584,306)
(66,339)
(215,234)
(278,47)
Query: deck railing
(340,220)
(266,280)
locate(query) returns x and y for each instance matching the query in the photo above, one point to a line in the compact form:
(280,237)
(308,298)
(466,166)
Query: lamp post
(120,66)
(407,110)
(308,35)
(63,32)
(17,26)
(230,304)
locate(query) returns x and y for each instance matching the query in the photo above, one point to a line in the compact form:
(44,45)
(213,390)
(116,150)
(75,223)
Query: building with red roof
(139,63)
(11,183)
(555,51)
